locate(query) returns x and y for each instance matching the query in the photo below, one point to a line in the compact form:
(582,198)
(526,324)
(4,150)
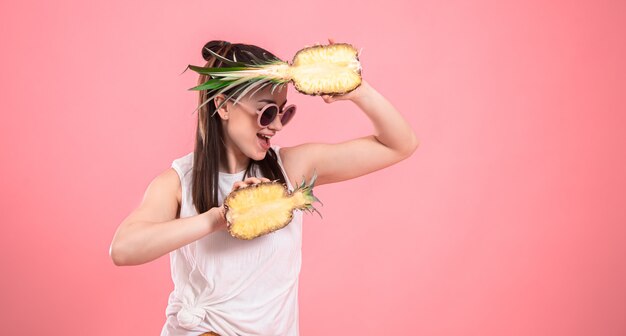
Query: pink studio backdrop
(508,220)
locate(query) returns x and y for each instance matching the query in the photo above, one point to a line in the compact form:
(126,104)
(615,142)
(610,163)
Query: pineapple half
(329,69)
(265,207)
(316,70)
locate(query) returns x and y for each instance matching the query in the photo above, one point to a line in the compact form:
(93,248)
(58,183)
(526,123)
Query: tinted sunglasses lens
(287,115)
(268,115)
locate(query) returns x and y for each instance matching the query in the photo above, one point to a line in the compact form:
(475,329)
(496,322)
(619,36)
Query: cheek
(244,122)
(243,132)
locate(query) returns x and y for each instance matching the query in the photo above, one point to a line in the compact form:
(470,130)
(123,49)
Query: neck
(234,161)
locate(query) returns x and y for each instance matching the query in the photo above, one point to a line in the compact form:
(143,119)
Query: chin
(259,154)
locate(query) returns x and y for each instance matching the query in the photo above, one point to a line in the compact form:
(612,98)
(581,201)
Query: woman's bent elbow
(410,148)
(117,255)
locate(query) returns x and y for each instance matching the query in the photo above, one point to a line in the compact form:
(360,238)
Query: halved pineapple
(326,69)
(265,207)
(317,70)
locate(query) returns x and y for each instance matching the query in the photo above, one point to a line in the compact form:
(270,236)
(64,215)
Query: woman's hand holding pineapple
(352,95)
(237,185)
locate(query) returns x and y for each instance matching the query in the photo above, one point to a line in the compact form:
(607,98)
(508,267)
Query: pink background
(508,220)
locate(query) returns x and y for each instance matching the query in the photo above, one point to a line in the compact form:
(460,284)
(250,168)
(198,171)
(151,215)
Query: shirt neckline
(235,174)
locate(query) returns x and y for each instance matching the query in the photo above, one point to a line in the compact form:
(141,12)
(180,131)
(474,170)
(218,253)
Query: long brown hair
(209,144)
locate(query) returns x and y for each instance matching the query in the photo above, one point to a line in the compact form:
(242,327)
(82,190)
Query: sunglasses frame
(280,113)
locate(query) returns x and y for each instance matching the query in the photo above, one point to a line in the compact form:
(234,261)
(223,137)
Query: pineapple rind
(265,207)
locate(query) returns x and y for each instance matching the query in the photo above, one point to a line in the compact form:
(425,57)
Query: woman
(223,285)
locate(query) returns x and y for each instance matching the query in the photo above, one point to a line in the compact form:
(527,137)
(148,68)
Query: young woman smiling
(223,285)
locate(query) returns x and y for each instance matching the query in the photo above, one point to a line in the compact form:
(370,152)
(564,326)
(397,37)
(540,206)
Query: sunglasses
(269,112)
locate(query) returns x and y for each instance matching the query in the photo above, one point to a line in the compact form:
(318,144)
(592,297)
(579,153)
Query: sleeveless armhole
(183,166)
(282,168)
(178,171)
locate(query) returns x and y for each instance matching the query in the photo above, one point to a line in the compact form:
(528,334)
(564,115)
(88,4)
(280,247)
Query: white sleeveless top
(232,286)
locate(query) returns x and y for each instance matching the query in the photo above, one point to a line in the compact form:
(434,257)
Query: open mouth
(263,141)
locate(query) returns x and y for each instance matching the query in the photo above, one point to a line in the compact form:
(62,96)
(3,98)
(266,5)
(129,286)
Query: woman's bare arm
(393,141)
(153,230)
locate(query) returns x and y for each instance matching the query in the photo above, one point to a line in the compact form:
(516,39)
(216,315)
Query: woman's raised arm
(393,142)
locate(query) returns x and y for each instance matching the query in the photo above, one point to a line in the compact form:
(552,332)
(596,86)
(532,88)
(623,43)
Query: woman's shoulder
(290,164)
(183,165)
(164,188)
(286,154)
(279,154)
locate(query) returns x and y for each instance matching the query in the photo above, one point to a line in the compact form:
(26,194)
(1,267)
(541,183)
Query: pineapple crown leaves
(307,191)
(244,76)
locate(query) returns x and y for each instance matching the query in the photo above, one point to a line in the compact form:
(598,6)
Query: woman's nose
(276,124)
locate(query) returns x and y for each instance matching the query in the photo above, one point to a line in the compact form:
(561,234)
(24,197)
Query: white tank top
(232,286)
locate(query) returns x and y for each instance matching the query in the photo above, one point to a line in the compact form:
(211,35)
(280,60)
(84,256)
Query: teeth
(265,136)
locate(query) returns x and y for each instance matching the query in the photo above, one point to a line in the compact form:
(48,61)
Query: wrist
(362,93)
(215,219)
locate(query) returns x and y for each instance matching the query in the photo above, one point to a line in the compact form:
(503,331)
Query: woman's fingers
(253,180)
(237,185)
(256,180)
(249,181)
(327,98)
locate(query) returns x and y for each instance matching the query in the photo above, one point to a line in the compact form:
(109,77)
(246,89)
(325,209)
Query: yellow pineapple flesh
(265,207)
(326,69)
